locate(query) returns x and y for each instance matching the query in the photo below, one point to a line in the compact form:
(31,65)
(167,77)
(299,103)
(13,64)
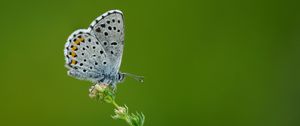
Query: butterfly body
(95,53)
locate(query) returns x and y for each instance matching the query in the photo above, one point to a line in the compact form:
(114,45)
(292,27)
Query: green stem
(128,120)
(115,104)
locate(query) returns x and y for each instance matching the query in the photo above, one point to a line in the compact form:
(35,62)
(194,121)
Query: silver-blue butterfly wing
(95,53)
(109,30)
(85,57)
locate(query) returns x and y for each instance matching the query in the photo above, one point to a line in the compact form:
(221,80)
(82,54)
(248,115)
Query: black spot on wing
(113,43)
(98,30)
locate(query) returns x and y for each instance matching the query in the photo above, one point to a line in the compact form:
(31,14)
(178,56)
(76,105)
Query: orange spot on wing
(74,48)
(73,54)
(77,42)
(74,62)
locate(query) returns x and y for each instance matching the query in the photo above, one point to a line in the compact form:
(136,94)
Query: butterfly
(95,54)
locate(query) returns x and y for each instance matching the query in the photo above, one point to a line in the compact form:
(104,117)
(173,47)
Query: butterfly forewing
(109,30)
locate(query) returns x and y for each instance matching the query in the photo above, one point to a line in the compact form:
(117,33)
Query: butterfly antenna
(136,77)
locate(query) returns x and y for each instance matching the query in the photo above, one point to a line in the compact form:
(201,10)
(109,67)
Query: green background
(206,63)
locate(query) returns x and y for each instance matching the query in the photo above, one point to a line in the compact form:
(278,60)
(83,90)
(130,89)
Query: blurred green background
(206,63)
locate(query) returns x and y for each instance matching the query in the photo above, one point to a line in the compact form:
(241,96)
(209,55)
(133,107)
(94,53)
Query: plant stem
(115,104)
(104,93)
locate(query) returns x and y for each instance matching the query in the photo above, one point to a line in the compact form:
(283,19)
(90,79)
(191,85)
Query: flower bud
(120,111)
(100,87)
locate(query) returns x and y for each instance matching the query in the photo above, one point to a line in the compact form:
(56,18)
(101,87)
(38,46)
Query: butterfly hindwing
(85,56)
